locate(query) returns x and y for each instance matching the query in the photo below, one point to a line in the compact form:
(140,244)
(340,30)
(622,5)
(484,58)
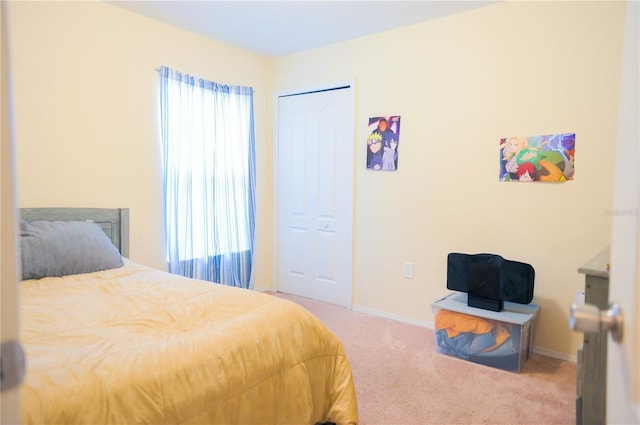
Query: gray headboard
(114,221)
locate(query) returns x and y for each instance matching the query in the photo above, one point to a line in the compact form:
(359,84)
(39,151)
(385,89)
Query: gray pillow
(61,248)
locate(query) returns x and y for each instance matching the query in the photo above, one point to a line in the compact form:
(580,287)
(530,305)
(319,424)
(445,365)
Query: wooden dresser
(592,355)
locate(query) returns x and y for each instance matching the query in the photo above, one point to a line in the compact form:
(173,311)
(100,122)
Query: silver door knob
(588,318)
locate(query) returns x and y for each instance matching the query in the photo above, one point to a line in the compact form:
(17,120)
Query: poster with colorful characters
(382,143)
(547,158)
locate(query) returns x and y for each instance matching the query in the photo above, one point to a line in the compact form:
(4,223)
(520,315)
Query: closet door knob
(588,318)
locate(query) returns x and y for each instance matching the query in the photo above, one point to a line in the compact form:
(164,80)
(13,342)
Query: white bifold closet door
(315,160)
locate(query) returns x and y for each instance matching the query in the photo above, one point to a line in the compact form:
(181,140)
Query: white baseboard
(396,317)
(264,289)
(430,325)
(555,354)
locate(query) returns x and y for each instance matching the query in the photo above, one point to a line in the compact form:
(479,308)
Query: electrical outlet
(579,297)
(408,270)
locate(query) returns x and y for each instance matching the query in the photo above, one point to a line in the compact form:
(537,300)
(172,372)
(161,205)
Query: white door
(623,360)
(315,152)
(12,360)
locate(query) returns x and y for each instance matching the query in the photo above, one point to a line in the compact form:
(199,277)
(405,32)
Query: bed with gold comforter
(136,345)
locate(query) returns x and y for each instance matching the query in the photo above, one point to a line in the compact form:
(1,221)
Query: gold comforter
(137,345)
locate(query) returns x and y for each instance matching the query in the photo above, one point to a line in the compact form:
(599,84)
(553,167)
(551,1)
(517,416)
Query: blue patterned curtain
(208,146)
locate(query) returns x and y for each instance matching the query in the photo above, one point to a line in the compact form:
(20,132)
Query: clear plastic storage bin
(497,339)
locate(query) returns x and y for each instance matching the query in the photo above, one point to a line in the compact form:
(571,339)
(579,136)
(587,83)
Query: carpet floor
(401,379)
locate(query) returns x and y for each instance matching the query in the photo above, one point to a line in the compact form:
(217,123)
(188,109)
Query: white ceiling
(274,28)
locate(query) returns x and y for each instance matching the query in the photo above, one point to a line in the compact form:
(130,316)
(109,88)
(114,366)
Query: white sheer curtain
(208,145)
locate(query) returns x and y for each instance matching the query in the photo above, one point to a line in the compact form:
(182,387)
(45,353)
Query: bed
(130,344)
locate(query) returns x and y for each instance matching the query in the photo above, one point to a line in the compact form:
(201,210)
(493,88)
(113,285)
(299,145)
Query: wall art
(383,143)
(547,158)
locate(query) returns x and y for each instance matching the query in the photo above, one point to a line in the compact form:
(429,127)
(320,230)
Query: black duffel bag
(490,279)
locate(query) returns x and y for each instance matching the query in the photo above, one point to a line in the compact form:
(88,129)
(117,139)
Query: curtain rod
(253,89)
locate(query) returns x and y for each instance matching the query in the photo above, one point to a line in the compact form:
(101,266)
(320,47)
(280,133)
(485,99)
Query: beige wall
(86,131)
(460,84)
(86,103)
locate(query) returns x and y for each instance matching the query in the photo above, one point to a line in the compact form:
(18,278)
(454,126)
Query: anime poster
(537,158)
(383,142)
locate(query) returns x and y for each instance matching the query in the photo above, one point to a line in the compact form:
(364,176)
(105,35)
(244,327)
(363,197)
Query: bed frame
(114,221)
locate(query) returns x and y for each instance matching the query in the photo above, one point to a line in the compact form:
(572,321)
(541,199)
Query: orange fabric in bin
(456,323)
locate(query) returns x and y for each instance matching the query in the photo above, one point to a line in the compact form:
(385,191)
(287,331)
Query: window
(208,146)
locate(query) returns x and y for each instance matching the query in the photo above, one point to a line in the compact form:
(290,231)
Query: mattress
(137,345)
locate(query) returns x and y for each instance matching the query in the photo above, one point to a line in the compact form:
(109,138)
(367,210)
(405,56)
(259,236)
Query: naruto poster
(547,158)
(383,143)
